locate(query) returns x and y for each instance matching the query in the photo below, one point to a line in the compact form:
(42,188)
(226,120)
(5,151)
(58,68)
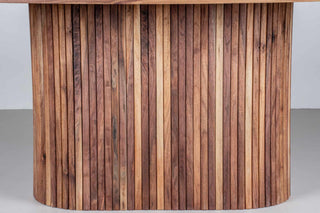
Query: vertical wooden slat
(182,104)
(273,103)
(77,104)
(159,74)
(51,189)
(219,107)
(92,109)
(115,106)
(100,108)
(174,107)
(85,106)
(248,107)
(189,105)
(226,105)
(152,107)
(268,107)
(212,107)
(56,58)
(262,98)
(145,104)
(39,161)
(241,105)
(234,107)
(70,103)
(123,107)
(255,106)
(64,111)
(204,105)
(196,109)
(279,104)
(166,107)
(130,107)
(137,106)
(107,106)
(290,25)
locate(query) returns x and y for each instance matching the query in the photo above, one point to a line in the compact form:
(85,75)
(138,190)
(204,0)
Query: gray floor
(16,164)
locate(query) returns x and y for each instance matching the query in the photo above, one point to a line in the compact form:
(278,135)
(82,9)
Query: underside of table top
(149,1)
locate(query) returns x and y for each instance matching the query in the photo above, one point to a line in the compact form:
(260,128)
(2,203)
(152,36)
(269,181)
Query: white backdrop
(15,65)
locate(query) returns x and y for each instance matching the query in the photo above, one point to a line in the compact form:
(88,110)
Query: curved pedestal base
(161,107)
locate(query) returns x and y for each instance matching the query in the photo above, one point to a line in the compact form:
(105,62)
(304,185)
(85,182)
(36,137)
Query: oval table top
(149,1)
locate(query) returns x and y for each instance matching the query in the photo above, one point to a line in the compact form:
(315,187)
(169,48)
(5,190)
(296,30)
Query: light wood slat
(39,162)
(262,104)
(56,58)
(77,104)
(159,97)
(166,107)
(226,105)
(137,106)
(189,106)
(130,108)
(234,107)
(100,108)
(289,17)
(115,106)
(196,108)
(219,107)
(182,104)
(204,105)
(212,107)
(255,105)
(123,107)
(241,106)
(153,107)
(248,108)
(144,11)
(70,103)
(174,108)
(107,106)
(64,111)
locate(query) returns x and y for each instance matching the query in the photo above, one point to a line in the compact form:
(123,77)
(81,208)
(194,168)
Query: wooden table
(161,106)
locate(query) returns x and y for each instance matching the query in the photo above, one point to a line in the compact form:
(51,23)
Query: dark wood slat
(51,193)
(152,108)
(174,108)
(39,161)
(107,107)
(234,107)
(77,103)
(130,106)
(92,109)
(144,11)
(268,107)
(226,106)
(100,108)
(70,103)
(182,104)
(189,105)
(211,108)
(273,104)
(115,106)
(123,107)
